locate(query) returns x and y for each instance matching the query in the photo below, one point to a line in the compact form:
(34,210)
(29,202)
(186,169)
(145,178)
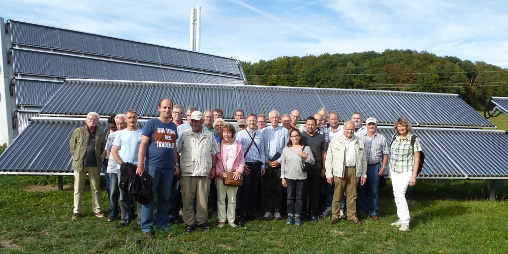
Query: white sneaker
(267,216)
(277,216)
(397,224)
(342,216)
(404,227)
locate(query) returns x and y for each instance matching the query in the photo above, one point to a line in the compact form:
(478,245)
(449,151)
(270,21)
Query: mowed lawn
(447,217)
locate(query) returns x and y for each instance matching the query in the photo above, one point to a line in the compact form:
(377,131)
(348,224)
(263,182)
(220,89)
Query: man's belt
(255,163)
(374,164)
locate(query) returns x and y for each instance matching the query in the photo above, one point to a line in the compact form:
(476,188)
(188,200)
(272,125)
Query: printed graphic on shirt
(165,138)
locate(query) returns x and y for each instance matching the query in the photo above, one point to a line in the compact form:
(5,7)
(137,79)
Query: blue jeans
(162,184)
(175,201)
(368,194)
(106,177)
(114,193)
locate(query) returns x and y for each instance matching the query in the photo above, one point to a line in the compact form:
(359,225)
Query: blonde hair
(404,122)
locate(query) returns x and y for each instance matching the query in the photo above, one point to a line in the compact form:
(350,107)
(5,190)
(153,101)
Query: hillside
(398,70)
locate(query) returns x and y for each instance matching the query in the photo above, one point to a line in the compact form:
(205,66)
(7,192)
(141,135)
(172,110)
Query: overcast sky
(251,30)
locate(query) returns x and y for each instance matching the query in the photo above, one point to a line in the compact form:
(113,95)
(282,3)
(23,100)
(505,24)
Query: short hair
(131,111)
(119,116)
(218,120)
(270,114)
(92,114)
(357,113)
(160,101)
(218,110)
(262,115)
(111,119)
(349,122)
(290,143)
(228,127)
(322,109)
(286,115)
(191,109)
(207,111)
(240,110)
(178,106)
(335,114)
(311,118)
(254,115)
(404,122)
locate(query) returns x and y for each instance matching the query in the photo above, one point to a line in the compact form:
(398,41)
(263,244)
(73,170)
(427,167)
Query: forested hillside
(400,70)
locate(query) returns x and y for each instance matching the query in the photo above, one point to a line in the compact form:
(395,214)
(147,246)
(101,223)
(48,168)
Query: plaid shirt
(402,155)
(375,147)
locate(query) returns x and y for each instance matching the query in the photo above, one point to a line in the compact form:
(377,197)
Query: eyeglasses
(177,112)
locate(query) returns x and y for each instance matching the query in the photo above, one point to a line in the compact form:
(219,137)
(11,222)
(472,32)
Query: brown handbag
(229,180)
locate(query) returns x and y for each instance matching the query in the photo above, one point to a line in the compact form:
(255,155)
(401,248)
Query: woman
(404,161)
(229,159)
(293,160)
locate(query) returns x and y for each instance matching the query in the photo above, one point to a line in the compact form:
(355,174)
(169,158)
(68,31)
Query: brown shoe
(100,215)
(355,220)
(374,217)
(334,219)
(76,215)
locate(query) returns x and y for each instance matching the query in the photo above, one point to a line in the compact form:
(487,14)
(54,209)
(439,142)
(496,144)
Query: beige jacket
(196,153)
(335,157)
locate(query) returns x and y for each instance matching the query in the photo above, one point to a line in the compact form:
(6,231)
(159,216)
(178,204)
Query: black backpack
(422,154)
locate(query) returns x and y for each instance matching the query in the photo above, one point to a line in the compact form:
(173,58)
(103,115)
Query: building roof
(501,104)
(78,97)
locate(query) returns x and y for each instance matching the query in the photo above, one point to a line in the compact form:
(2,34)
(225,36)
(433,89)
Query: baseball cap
(371,120)
(196,115)
(241,122)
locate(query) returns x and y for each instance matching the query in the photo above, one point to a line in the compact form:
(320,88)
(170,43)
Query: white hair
(217,120)
(120,116)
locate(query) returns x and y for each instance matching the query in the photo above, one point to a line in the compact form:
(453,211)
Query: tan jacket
(335,157)
(196,153)
(78,142)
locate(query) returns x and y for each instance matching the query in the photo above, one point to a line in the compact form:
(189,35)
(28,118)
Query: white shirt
(350,153)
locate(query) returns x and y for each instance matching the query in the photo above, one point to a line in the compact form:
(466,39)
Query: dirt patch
(47,187)
(8,244)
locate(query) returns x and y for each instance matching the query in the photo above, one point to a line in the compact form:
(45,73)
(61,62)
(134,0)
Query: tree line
(395,70)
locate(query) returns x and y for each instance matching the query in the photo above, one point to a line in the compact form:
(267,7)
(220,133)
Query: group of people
(302,170)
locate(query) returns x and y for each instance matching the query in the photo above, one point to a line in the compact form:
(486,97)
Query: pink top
(222,157)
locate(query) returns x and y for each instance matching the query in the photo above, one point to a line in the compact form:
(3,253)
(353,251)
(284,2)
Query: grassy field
(500,121)
(449,217)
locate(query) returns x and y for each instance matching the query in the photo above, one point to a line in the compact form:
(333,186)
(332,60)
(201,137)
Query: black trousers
(249,190)
(313,185)
(272,187)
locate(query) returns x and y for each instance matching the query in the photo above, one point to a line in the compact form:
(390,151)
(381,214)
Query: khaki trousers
(222,192)
(79,184)
(196,187)
(348,184)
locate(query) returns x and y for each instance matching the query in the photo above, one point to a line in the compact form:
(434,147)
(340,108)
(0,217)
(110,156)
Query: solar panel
(501,104)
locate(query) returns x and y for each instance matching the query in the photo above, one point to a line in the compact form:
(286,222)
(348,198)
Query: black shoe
(313,218)
(241,222)
(111,218)
(121,225)
(204,226)
(189,228)
(149,235)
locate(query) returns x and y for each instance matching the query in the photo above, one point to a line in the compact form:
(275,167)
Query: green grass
(451,217)
(500,121)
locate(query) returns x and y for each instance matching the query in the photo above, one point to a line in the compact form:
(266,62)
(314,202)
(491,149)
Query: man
(254,150)
(175,199)
(241,124)
(346,162)
(198,150)
(320,128)
(177,115)
(125,149)
(286,122)
(239,114)
(318,146)
(186,125)
(86,147)
(157,155)
(208,120)
(104,167)
(112,168)
(334,130)
(295,116)
(357,120)
(275,138)
(217,113)
(324,113)
(376,151)
(261,122)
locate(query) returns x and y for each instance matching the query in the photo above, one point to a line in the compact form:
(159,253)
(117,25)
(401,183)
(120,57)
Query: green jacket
(78,142)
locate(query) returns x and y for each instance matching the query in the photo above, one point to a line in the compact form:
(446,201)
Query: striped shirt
(375,147)
(256,152)
(402,154)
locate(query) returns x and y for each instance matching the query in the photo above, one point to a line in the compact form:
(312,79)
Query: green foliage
(397,70)
(446,217)
(3,147)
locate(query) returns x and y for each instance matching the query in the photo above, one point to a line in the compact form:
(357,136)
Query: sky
(253,30)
